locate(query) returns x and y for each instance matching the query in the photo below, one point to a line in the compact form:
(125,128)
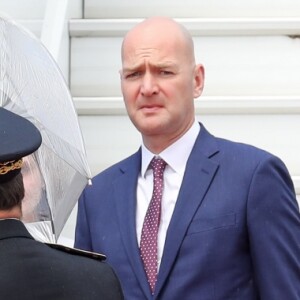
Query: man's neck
(13,213)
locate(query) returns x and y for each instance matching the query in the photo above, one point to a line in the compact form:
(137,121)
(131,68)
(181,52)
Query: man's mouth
(151,108)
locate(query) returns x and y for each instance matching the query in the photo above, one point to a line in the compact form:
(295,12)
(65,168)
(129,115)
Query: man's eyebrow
(161,65)
(166,64)
(132,68)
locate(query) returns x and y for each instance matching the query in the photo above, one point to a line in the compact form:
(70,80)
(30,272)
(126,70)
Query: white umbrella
(32,86)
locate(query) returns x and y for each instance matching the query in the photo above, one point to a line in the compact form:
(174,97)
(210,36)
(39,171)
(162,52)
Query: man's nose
(149,85)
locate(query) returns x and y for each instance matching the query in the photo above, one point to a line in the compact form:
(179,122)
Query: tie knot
(158,165)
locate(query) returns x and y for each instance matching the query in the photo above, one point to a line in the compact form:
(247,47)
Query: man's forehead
(151,62)
(158,53)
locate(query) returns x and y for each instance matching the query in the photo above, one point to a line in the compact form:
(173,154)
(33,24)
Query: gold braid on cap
(10,166)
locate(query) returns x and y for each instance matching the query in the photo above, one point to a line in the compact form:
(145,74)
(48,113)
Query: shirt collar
(177,154)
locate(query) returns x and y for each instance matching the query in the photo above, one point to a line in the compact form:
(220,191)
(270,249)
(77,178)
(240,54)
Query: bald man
(189,215)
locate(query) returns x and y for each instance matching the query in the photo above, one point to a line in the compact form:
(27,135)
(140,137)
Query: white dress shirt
(176,157)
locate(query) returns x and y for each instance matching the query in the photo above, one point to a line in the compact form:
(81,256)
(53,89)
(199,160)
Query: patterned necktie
(148,244)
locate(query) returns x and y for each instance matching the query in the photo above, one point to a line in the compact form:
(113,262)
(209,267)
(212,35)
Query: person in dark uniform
(31,269)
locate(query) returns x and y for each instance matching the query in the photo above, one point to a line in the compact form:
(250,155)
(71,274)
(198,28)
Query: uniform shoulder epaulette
(76,251)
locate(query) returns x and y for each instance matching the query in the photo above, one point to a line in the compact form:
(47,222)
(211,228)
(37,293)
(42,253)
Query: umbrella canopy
(32,86)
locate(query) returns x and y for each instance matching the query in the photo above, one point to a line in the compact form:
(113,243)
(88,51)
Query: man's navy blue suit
(234,233)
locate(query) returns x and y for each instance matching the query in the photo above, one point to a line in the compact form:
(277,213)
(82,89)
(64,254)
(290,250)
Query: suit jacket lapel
(200,171)
(125,189)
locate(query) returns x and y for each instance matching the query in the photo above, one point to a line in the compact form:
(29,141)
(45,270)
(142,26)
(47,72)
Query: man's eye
(133,75)
(165,72)
(25,166)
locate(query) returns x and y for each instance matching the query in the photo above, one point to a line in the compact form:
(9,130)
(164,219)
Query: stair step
(190,8)
(197,26)
(204,105)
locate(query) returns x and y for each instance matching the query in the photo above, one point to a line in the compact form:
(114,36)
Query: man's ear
(199,75)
